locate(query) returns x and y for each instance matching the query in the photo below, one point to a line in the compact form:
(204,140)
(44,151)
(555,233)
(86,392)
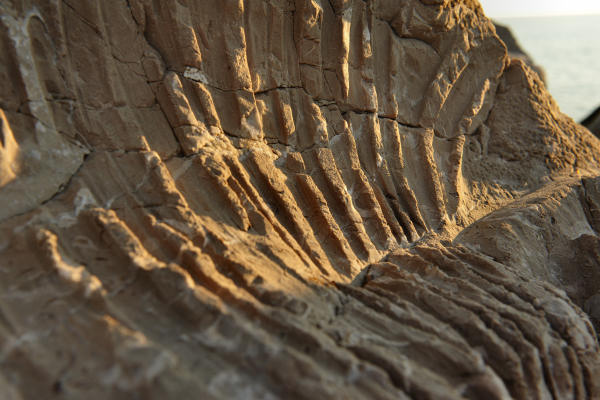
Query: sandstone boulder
(288,199)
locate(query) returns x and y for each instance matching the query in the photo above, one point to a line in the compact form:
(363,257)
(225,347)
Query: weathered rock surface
(288,199)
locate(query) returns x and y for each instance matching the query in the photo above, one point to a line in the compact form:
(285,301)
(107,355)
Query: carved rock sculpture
(288,199)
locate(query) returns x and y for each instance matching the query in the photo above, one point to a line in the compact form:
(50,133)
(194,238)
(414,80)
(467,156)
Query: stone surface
(592,122)
(516,51)
(288,199)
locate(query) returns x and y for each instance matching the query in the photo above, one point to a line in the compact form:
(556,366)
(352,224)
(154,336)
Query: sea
(568,48)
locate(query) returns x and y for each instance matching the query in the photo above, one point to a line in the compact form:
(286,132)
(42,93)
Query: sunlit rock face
(288,199)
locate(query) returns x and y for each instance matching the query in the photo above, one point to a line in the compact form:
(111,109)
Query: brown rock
(288,199)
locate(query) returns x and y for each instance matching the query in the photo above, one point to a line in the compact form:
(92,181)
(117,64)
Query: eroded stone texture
(288,199)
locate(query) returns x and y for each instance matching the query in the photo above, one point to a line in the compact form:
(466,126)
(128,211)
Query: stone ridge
(288,199)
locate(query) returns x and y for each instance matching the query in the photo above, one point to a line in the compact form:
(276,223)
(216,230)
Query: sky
(524,8)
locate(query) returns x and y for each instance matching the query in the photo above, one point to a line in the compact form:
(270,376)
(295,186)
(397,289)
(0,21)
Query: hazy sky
(518,8)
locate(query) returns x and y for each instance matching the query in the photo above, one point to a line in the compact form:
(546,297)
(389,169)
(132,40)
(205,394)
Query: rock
(276,199)
(592,122)
(516,51)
